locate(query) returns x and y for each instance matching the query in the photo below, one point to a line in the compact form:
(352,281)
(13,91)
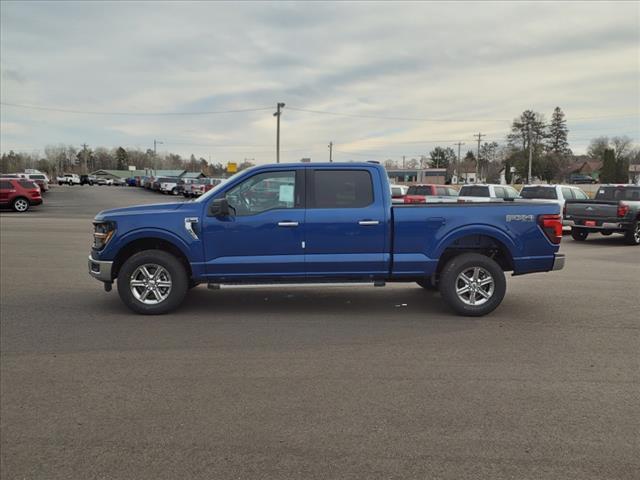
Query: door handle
(368,222)
(287,224)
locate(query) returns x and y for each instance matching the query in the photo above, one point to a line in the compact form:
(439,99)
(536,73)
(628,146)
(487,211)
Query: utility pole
(456,172)
(530,153)
(279,106)
(479,135)
(84,157)
(330,152)
(403,162)
(155,156)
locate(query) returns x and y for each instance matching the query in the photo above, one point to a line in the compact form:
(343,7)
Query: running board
(227,286)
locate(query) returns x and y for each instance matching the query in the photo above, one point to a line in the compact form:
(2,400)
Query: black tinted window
(474,191)
(27,184)
(419,190)
(548,193)
(4,185)
(618,193)
(342,189)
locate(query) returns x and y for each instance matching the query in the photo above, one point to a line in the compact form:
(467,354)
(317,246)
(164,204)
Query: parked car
(69,179)
(615,209)
(486,193)
(132,182)
(428,193)
(343,228)
(203,185)
(87,179)
(398,192)
(39,178)
(166,185)
(579,178)
(557,194)
(101,181)
(19,193)
(184,186)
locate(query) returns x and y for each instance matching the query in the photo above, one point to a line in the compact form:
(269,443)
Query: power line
(132,114)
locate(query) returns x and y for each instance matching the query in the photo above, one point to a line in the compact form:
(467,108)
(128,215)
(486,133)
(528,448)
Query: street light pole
(456,170)
(279,106)
(530,154)
(330,152)
(155,156)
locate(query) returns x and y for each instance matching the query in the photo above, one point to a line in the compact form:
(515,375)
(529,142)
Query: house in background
(118,174)
(584,167)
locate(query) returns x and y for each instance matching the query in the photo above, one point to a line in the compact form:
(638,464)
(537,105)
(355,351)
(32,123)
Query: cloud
(482,62)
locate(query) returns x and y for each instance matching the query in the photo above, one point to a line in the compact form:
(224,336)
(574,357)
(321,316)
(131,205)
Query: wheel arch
(149,243)
(488,242)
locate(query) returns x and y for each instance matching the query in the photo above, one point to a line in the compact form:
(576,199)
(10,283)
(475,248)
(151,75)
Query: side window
(441,191)
(567,193)
(500,193)
(511,192)
(5,185)
(580,195)
(342,189)
(452,192)
(262,192)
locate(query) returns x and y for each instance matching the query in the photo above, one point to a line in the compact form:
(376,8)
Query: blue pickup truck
(320,223)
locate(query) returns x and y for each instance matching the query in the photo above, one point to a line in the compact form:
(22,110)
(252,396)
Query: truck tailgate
(592,209)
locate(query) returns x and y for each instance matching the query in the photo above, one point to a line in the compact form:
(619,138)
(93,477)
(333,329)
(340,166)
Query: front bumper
(100,270)
(558,261)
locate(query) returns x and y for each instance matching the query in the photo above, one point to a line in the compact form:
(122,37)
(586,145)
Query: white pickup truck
(69,179)
(486,192)
(558,194)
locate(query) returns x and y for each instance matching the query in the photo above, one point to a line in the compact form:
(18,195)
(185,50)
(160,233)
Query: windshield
(618,193)
(547,193)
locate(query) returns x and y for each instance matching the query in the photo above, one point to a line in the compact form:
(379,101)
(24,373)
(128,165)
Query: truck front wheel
(152,282)
(472,284)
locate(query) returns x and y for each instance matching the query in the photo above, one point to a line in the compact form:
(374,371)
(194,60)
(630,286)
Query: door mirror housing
(219,208)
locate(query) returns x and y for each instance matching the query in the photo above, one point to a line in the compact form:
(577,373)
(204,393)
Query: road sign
(232,167)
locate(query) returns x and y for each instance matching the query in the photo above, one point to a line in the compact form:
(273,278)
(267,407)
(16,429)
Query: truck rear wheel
(632,236)
(579,234)
(472,284)
(152,282)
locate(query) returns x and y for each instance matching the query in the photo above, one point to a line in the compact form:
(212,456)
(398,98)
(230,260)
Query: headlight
(103,231)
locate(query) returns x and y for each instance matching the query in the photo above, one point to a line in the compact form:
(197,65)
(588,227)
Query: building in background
(410,176)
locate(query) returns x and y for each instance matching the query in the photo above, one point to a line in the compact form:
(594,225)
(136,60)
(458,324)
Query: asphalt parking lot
(338,382)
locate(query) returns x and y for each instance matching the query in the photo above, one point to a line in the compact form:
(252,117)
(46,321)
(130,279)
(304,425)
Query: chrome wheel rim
(150,283)
(636,234)
(475,286)
(21,205)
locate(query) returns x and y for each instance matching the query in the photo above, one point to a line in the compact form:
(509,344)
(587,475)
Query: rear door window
(580,195)
(474,191)
(618,193)
(26,184)
(5,185)
(341,189)
(567,193)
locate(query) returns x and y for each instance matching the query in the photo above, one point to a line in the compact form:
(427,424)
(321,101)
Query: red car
(19,193)
(419,193)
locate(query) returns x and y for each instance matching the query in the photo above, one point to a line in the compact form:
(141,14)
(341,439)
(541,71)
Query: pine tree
(609,167)
(121,159)
(557,136)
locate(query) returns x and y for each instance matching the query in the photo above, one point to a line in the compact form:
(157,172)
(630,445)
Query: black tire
(632,236)
(606,233)
(178,276)
(60,183)
(579,234)
(427,284)
(450,278)
(174,191)
(20,204)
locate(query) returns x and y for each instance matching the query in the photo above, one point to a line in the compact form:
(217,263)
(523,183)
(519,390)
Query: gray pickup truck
(615,209)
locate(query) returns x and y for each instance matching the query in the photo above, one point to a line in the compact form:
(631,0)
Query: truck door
(263,235)
(346,224)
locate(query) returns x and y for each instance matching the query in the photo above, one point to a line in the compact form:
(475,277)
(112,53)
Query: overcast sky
(467,67)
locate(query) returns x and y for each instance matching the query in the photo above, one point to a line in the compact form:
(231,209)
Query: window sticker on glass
(286,194)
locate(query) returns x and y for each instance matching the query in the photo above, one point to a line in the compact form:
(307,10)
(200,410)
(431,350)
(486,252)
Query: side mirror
(219,208)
